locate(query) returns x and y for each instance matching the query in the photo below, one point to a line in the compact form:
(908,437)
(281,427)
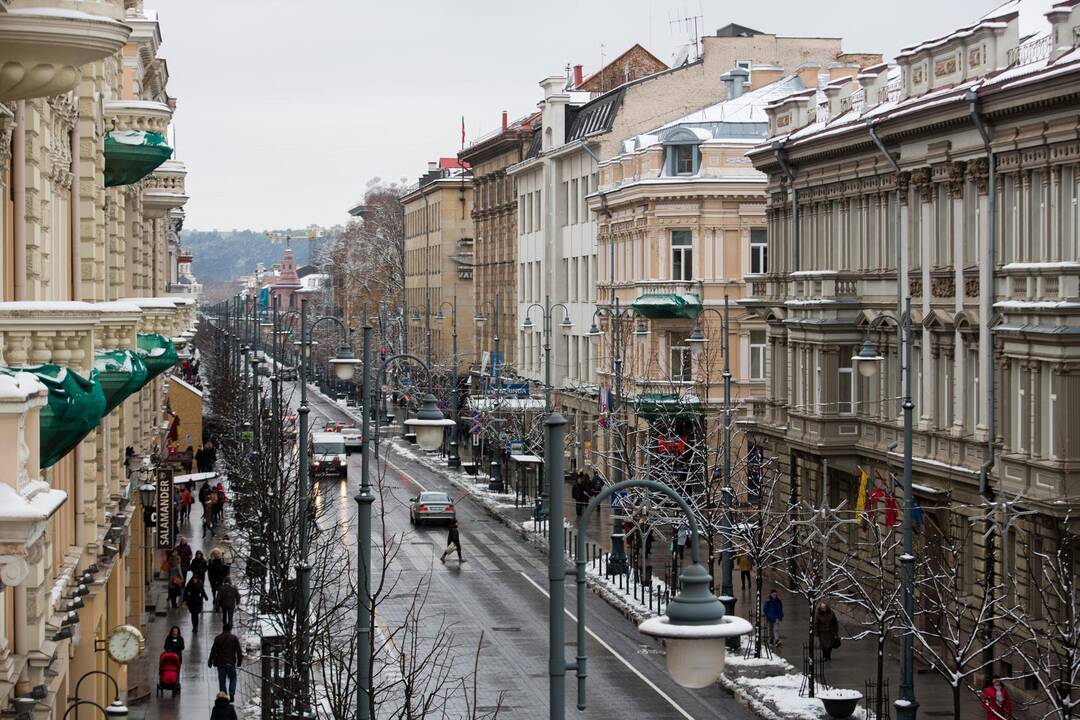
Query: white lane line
(404,474)
(620,658)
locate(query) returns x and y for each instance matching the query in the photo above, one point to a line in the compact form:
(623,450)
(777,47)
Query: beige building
(988,260)
(439,262)
(84,224)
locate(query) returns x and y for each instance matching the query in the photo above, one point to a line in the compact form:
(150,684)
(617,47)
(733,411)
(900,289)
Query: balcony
(135,144)
(163,189)
(666,299)
(44,47)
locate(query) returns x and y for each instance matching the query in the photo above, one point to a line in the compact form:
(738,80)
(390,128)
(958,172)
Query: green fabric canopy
(132,155)
(654,405)
(158,352)
(668,306)
(122,373)
(74,408)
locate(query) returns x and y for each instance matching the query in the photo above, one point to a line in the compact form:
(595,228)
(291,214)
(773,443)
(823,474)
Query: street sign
(517,447)
(165,526)
(247,434)
(509,390)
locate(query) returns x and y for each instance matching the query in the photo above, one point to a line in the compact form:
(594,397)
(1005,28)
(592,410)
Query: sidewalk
(199,683)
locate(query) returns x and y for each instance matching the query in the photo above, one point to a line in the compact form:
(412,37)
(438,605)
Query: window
(1019,430)
(971,391)
(747,66)
(759,251)
(757,354)
(1048,406)
(845,404)
(572,202)
(943,239)
(679,358)
(682,255)
(682,159)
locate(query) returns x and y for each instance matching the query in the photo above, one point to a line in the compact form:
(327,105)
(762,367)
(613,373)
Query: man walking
(228,598)
(774,613)
(453,543)
(226,655)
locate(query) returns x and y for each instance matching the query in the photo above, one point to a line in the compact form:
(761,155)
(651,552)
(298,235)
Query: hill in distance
(221,256)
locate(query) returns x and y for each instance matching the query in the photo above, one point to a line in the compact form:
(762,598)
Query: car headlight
(316,463)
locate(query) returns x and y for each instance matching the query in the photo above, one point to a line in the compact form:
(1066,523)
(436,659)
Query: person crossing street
(453,543)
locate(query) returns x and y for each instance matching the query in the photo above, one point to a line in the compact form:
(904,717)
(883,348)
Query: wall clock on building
(124,643)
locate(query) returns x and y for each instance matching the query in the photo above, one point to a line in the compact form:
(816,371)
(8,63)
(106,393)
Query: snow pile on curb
(479,492)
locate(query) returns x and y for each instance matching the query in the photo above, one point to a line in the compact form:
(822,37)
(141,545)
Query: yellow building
(85,233)
(439,261)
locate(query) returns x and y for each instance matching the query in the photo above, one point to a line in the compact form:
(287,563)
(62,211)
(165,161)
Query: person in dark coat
(228,598)
(174,642)
(223,708)
(226,655)
(204,495)
(194,594)
(216,570)
(185,553)
(827,629)
(453,542)
(774,613)
(198,566)
(580,494)
(175,578)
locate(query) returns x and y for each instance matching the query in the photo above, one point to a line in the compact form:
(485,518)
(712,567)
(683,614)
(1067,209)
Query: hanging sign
(165,527)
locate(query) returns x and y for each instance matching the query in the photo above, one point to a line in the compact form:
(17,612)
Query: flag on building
(603,408)
(462,131)
(860,502)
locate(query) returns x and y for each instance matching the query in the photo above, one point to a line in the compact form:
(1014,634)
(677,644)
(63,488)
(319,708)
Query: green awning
(158,352)
(668,306)
(131,155)
(654,405)
(74,408)
(122,373)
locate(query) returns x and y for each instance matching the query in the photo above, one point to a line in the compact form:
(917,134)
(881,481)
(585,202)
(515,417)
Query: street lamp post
(694,627)
(429,424)
(547,310)
(495,484)
(344,366)
(697,340)
(453,460)
(868,362)
(116,708)
(616,564)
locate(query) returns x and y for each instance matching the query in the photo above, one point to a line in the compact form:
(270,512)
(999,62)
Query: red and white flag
(462,131)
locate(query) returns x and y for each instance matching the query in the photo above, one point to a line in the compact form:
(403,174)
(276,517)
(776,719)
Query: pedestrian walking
(174,642)
(226,655)
(228,598)
(204,496)
(774,613)
(175,578)
(210,513)
(223,708)
(216,570)
(199,565)
(996,701)
(453,543)
(186,501)
(189,456)
(219,506)
(827,630)
(744,565)
(185,552)
(194,594)
(580,493)
(200,459)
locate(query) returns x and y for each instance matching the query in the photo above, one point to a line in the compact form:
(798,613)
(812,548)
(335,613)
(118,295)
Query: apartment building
(495,214)
(557,231)
(439,262)
(898,197)
(87,332)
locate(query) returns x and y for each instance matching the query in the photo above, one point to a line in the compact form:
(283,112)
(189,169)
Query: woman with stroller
(174,642)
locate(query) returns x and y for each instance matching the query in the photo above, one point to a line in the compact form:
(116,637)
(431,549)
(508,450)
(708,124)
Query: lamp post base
(616,565)
(496,482)
(906,709)
(729,601)
(453,460)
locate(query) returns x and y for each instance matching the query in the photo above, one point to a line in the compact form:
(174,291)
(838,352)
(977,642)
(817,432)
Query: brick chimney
(874,81)
(504,121)
(838,93)
(577,76)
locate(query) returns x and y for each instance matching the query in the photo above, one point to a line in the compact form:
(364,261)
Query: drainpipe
(777,148)
(18,182)
(900,293)
(986,306)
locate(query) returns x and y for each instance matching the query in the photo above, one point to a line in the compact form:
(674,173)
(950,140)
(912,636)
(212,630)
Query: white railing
(1030,51)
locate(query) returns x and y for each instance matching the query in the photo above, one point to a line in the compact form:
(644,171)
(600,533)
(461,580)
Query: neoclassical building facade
(950,180)
(88,203)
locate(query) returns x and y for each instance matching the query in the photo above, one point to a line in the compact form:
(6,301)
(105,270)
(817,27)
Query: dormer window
(682,150)
(684,159)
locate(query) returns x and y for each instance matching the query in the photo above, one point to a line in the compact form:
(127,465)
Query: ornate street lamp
(429,424)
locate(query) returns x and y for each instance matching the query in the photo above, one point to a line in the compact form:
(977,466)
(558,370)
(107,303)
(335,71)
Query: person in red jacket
(996,701)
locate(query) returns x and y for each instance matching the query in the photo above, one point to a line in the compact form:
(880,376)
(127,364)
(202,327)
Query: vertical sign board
(163,506)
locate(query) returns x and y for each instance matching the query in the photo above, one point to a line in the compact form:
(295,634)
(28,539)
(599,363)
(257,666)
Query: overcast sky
(286,109)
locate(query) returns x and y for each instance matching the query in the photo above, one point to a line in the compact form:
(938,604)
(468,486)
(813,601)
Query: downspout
(18,182)
(986,305)
(871,127)
(777,148)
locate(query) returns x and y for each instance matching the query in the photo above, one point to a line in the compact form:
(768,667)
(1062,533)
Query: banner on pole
(164,519)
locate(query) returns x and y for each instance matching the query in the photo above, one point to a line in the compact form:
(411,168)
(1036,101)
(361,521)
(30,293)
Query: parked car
(431,506)
(328,454)
(289,373)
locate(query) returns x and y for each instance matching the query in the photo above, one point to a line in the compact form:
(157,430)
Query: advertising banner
(165,528)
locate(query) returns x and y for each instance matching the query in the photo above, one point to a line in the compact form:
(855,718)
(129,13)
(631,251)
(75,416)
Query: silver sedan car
(431,507)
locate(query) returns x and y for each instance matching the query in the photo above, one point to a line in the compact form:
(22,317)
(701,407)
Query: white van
(328,454)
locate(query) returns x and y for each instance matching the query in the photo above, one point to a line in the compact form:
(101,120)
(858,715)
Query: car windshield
(434,497)
(330,447)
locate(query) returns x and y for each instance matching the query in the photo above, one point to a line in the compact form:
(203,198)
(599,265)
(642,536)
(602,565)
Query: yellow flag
(860,503)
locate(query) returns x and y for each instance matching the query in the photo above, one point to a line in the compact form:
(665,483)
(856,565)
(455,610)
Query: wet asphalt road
(500,593)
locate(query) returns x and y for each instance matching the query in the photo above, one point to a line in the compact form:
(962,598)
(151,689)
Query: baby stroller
(168,673)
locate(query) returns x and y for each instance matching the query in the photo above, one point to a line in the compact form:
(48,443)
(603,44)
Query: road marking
(406,475)
(620,658)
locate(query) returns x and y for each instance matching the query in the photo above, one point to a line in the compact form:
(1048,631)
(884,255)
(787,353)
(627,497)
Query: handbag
(451,548)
